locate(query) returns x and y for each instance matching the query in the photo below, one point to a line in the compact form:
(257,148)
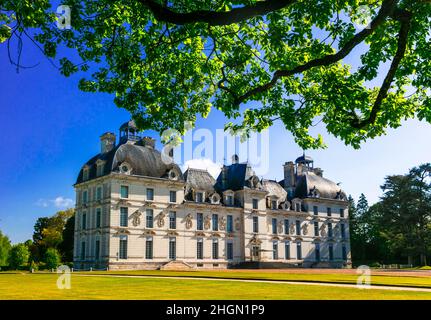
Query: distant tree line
(396,229)
(52,244)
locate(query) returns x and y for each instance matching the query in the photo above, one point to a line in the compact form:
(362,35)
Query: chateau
(134,211)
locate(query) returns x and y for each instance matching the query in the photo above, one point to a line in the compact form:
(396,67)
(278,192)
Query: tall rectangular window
(99,193)
(255,224)
(149,248)
(84,221)
(172,196)
(150,194)
(229,250)
(85,196)
(275,250)
(172,248)
(344,252)
(316,228)
(315,210)
(123,247)
(255,203)
(274,204)
(287,250)
(172,220)
(329,211)
(123,216)
(298,207)
(229,200)
(341,213)
(199,221)
(299,251)
(199,197)
(149,218)
(98,217)
(317,251)
(97,250)
(215,222)
(298,227)
(229,223)
(215,249)
(274,226)
(331,252)
(286,226)
(200,249)
(83,250)
(330,233)
(124,191)
(343,230)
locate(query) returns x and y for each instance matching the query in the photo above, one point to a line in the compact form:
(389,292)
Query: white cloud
(205,164)
(59,202)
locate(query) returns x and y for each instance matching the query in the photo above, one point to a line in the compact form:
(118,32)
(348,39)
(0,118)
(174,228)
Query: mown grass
(44,286)
(376,278)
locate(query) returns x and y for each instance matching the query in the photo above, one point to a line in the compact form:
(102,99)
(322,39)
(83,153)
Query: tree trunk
(410,260)
(423,260)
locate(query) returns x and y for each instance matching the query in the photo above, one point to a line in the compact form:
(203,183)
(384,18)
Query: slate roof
(199,179)
(237,175)
(274,189)
(326,188)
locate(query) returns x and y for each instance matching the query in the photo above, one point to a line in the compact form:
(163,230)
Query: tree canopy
(257,61)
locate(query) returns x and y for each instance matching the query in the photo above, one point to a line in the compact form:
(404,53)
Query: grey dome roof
(309,184)
(129,124)
(274,189)
(144,161)
(304,159)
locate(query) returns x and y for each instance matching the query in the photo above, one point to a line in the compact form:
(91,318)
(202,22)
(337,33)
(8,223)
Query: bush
(52,258)
(19,255)
(33,266)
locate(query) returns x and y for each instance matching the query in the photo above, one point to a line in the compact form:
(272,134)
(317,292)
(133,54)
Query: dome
(304,159)
(129,124)
(311,185)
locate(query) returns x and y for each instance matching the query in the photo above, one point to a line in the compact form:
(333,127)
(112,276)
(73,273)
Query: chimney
(148,142)
(300,169)
(235,159)
(318,172)
(289,175)
(107,142)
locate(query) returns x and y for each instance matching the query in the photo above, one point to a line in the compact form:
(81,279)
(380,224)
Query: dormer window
(85,173)
(125,168)
(229,200)
(215,198)
(100,168)
(274,205)
(199,197)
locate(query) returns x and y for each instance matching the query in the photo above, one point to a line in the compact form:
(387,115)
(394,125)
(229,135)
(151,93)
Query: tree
(52,258)
(257,61)
(66,246)
(19,255)
(4,249)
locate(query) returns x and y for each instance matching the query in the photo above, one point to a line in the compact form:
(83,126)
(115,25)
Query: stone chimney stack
(318,172)
(148,142)
(289,175)
(107,142)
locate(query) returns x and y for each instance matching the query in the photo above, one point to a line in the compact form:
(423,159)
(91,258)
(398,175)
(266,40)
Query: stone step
(176,265)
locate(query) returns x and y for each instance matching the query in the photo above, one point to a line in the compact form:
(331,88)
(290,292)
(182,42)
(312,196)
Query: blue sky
(49,129)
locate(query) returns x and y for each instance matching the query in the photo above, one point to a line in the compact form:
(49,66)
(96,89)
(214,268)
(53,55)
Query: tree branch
(215,18)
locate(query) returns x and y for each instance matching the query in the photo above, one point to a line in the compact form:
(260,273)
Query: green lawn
(43,286)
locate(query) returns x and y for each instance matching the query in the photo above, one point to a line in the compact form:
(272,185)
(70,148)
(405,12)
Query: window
(124,191)
(298,251)
(199,197)
(330,235)
(97,253)
(150,194)
(123,216)
(255,203)
(329,212)
(123,247)
(315,210)
(317,251)
(274,204)
(172,196)
(199,221)
(316,228)
(215,221)
(85,174)
(84,221)
(343,231)
(229,250)
(275,250)
(298,227)
(255,224)
(200,248)
(172,248)
(341,213)
(274,226)
(287,250)
(344,252)
(83,250)
(149,248)
(331,252)
(172,220)
(229,200)
(215,249)
(286,226)
(99,193)
(100,170)
(149,218)
(85,197)
(229,223)
(297,206)
(98,217)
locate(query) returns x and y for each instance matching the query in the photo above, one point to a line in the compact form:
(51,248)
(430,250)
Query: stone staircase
(176,265)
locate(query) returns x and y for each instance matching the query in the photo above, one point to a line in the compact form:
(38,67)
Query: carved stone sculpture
(189,222)
(161,219)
